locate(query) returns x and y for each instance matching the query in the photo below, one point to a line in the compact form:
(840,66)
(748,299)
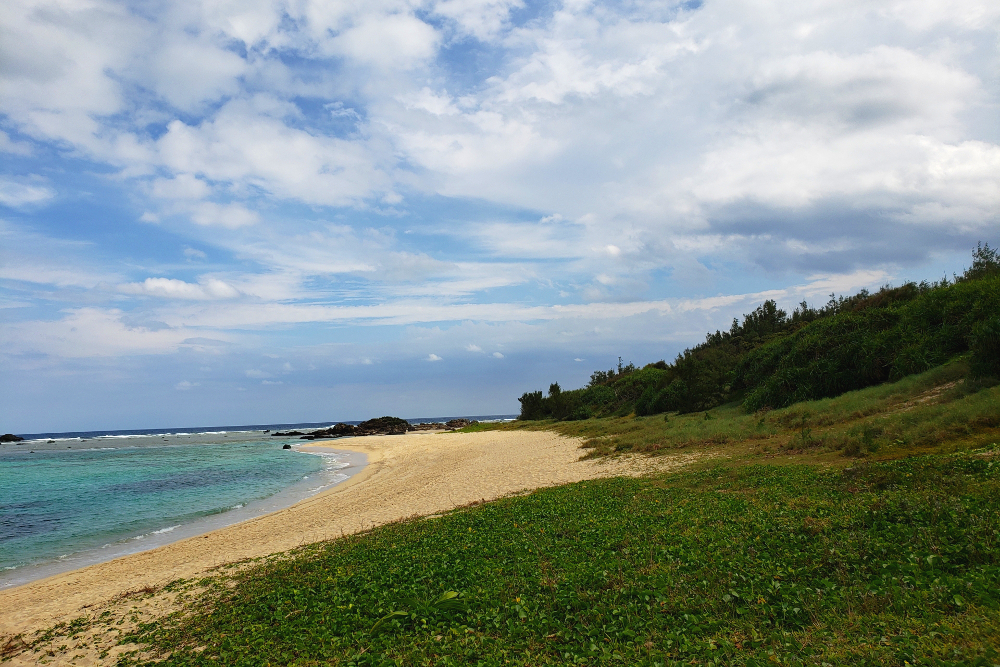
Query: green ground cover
(877,564)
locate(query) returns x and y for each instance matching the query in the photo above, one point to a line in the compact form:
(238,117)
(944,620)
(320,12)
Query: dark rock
(429,426)
(286,446)
(341,429)
(307,437)
(457,423)
(383,426)
(277,433)
(10,437)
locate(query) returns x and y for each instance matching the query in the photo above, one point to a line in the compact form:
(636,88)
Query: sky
(265,211)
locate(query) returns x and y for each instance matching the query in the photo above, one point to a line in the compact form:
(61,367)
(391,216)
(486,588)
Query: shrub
(985,344)
(531,405)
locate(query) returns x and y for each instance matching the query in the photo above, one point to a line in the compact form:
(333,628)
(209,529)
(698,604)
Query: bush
(985,344)
(531,405)
(853,350)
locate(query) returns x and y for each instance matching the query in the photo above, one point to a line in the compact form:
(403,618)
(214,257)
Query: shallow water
(67,505)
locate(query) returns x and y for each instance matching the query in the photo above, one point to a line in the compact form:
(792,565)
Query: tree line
(772,359)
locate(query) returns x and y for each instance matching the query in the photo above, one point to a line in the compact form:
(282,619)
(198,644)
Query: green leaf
(388,617)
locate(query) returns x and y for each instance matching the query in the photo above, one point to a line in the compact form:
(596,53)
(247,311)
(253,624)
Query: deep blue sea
(71,499)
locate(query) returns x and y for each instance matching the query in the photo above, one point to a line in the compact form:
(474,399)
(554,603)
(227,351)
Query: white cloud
(473,348)
(483,19)
(433,357)
(194,253)
(185,385)
(234,315)
(388,41)
(90,332)
(17,194)
(8,145)
(257,373)
(230,216)
(171,288)
(181,186)
(188,72)
(244,144)
(497,355)
(642,115)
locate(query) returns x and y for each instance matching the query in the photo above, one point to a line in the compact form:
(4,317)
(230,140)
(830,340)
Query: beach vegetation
(772,359)
(878,563)
(941,409)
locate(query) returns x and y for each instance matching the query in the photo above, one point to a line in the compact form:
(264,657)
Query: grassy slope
(938,410)
(870,559)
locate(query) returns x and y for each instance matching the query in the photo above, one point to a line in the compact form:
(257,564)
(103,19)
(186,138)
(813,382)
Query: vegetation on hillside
(943,407)
(772,359)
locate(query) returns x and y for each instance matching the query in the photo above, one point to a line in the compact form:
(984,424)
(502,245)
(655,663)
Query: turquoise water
(61,502)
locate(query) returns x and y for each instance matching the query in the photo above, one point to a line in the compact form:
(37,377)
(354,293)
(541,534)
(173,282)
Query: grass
(937,411)
(878,564)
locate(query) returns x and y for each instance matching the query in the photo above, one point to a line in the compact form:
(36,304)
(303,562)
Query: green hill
(773,360)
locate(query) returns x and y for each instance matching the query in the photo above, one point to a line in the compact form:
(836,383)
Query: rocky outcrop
(379,426)
(341,430)
(429,426)
(10,437)
(383,426)
(458,423)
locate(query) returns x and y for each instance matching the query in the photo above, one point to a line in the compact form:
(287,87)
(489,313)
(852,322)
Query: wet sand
(412,475)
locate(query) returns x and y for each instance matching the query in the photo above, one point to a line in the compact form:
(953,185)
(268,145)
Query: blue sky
(278,211)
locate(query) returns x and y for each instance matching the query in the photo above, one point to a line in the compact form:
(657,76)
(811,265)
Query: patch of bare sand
(413,475)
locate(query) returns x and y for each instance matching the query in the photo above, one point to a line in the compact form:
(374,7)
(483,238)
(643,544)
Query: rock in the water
(286,446)
(277,433)
(307,437)
(457,423)
(10,437)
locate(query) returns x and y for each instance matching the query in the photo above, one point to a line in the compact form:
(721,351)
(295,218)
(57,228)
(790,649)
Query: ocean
(68,500)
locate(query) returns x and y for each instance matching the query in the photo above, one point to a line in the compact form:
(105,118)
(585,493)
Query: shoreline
(354,462)
(411,475)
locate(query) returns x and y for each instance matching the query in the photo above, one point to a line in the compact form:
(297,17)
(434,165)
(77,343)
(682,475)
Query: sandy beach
(412,475)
